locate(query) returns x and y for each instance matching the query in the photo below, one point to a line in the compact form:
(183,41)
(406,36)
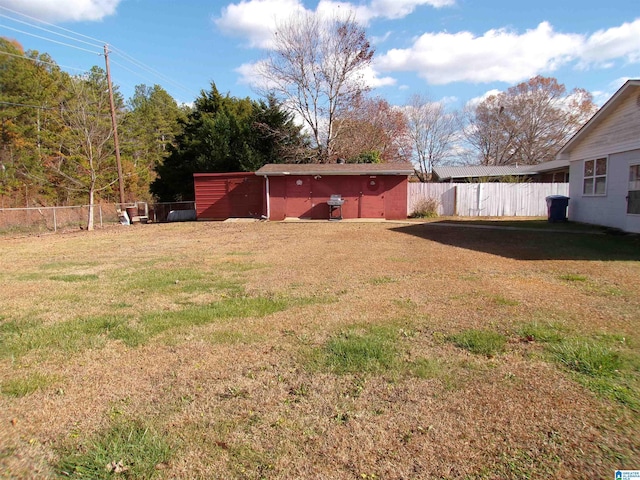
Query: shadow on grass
(529,240)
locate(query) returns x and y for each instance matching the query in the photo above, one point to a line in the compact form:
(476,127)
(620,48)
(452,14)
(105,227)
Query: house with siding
(604,164)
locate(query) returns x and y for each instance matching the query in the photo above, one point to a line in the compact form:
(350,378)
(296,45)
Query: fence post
(55,222)
(100,211)
(455,200)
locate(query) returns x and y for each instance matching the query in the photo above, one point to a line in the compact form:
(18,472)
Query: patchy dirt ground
(217,336)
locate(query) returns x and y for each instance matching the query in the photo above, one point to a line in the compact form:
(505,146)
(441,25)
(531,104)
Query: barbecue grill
(335,203)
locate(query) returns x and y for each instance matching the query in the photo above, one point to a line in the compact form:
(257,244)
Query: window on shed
(595,177)
(633,200)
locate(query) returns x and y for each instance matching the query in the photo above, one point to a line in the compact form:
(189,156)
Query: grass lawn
(326,350)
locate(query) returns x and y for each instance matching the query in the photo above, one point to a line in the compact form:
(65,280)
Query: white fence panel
(444,193)
(487,199)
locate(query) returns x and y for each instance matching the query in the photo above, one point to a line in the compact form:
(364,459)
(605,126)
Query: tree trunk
(90,219)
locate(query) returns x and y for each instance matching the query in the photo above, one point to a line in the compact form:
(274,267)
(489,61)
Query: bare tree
(316,69)
(490,132)
(85,162)
(372,126)
(432,132)
(528,123)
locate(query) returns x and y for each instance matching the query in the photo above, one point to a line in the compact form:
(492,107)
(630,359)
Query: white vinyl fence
(487,199)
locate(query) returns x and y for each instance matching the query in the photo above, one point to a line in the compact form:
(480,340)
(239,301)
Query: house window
(595,177)
(633,200)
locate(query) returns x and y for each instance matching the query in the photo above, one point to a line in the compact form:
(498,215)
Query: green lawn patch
(19,338)
(23,386)
(605,364)
(480,342)
(587,357)
(72,278)
(128,449)
(372,350)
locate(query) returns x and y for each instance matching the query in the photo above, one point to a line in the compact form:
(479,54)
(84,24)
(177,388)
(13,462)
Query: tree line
(57,140)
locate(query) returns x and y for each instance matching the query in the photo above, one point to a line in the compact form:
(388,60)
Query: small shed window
(595,177)
(633,200)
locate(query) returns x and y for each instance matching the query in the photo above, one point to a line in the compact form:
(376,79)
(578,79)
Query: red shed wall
(228,195)
(366,196)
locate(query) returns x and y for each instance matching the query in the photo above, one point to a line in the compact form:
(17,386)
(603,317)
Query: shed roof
(280,169)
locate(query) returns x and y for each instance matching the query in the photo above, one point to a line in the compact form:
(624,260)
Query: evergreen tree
(149,126)
(224,134)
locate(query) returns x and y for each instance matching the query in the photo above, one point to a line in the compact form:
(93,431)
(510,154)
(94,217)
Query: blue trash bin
(557,208)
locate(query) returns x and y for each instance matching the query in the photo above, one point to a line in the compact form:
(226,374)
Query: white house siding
(609,210)
(617,132)
(616,136)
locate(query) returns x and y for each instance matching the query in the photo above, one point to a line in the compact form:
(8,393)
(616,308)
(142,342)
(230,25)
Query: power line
(37,60)
(60,107)
(49,39)
(151,70)
(49,31)
(52,25)
(126,57)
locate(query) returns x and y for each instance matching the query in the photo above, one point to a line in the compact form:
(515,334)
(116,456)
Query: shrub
(426,208)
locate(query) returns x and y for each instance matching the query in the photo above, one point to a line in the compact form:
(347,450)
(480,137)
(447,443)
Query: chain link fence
(54,219)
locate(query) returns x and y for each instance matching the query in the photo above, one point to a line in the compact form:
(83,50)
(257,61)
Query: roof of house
(482,171)
(548,166)
(281,169)
(619,97)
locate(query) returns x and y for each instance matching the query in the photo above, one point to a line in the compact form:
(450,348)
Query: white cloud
(509,56)
(256,20)
(600,97)
(64,10)
(250,74)
(376,40)
(475,101)
(604,46)
(372,80)
(498,55)
(401,8)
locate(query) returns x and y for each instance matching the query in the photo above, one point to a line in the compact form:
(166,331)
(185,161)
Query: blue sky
(448,50)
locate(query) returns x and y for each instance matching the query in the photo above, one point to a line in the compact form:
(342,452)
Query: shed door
(245,197)
(372,197)
(298,197)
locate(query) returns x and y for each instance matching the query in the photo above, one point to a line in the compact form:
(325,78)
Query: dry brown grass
(252,397)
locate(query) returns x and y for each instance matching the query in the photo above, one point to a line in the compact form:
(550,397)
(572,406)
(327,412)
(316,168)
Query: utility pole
(115,127)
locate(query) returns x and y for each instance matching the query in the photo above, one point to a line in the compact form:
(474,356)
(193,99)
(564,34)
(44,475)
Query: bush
(426,208)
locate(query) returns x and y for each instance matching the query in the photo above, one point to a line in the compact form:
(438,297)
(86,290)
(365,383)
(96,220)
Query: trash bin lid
(559,197)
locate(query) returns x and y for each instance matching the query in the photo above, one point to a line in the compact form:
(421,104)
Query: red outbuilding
(364,190)
(228,195)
